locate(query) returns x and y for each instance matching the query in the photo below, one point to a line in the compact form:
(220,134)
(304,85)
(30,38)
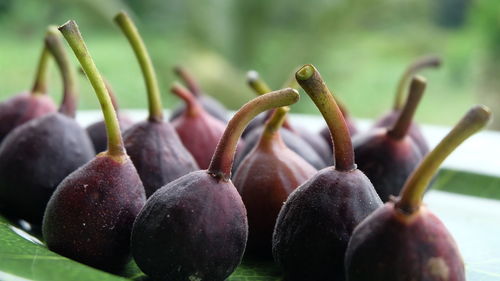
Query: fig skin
(211,105)
(292,141)
(190,224)
(157,153)
(387,162)
(265,178)
(21,109)
(316,222)
(97,132)
(35,158)
(90,216)
(418,247)
(414,131)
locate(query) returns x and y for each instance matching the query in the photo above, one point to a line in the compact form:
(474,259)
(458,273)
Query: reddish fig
(265,178)
(36,156)
(195,228)
(28,105)
(389,119)
(211,105)
(389,155)
(404,241)
(153,145)
(97,130)
(316,222)
(198,130)
(89,217)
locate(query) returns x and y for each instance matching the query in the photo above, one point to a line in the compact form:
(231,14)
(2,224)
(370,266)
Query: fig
(265,178)
(36,156)
(389,119)
(195,228)
(89,217)
(389,155)
(153,145)
(404,240)
(315,223)
(211,105)
(28,105)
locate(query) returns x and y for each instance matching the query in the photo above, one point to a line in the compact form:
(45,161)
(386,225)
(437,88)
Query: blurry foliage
(360,46)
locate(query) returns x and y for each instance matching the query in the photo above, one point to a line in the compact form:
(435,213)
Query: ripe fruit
(389,155)
(315,223)
(90,215)
(404,241)
(29,105)
(153,145)
(265,178)
(38,155)
(195,228)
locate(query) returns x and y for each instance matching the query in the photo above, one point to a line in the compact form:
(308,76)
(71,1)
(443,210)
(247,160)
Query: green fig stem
(72,34)
(257,84)
(111,92)
(133,36)
(400,129)
(55,46)
(222,160)
(411,70)
(188,80)
(193,107)
(40,84)
(411,195)
(310,80)
(275,122)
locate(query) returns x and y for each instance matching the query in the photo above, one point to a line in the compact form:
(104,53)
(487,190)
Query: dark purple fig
(197,129)
(389,119)
(89,217)
(29,105)
(153,145)
(389,155)
(195,228)
(265,178)
(316,222)
(36,156)
(404,241)
(211,105)
(97,130)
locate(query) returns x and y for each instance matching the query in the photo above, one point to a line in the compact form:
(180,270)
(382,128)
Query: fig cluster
(189,196)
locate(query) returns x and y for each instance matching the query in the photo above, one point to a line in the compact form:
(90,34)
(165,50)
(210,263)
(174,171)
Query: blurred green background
(361,47)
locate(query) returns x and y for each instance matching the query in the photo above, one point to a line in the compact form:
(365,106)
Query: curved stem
(188,79)
(193,107)
(411,70)
(275,122)
(111,92)
(40,84)
(133,36)
(417,88)
(54,44)
(411,194)
(256,83)
(310,80)
(72,34)
(222,160)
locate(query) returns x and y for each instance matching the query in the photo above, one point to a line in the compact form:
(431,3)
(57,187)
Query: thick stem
(54,44)
(188,79)
(411,194)
(417,88)
(40,84)
(413,68)
(256,83)
(72,34)
(275,122)
(310,80)
(133,36)
(222,160)
(193,107)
